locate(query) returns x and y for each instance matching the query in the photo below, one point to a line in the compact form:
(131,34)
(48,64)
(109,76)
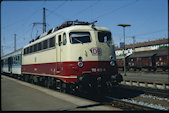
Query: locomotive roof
(68,29)
(159,52)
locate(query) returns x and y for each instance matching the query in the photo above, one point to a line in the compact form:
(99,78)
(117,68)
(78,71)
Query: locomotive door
(59,41)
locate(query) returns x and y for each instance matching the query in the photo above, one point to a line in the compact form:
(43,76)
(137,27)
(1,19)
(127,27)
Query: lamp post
(124,25)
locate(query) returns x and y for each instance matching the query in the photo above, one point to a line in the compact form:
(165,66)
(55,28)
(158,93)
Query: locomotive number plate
(96,51)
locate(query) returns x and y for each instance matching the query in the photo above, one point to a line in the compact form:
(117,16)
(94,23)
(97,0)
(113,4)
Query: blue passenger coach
(11,63)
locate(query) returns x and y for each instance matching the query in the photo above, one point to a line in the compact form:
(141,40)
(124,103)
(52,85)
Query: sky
(148,19)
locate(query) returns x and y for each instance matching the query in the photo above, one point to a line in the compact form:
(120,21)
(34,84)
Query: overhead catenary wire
(22,20)
(52,11)
(86,8)
(114,10)
(148,33)
(59,15)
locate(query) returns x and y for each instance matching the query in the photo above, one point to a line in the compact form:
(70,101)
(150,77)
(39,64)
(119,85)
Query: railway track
(128,106)
(121,103)
(152,91)
(129,99)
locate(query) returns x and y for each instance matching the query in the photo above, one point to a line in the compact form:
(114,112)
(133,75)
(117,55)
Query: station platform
(17,95)
(147,76)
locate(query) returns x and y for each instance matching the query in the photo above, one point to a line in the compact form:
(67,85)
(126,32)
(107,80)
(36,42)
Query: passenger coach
(11,63)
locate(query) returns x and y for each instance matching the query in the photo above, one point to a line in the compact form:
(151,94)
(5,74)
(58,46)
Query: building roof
(144,44)
(158,52)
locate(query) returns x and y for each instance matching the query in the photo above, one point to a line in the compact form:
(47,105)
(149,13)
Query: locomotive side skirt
(70,70)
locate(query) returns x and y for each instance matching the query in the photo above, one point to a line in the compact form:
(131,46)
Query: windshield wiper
(78,40)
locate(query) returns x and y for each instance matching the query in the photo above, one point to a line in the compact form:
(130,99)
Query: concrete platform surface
(17,95)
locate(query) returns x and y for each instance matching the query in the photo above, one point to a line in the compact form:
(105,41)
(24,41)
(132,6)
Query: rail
(127,105)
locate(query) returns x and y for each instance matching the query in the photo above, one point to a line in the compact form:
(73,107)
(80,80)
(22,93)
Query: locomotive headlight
(111,57)
(80,64)
(112,63)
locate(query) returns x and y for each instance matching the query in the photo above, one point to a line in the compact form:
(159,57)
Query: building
(142,46)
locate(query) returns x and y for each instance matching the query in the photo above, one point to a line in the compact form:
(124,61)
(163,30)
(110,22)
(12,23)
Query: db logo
(96,51)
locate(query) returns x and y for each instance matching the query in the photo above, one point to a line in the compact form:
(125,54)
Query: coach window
(18,60)
(64,39)
(45,44)
(15,59)
(52,42)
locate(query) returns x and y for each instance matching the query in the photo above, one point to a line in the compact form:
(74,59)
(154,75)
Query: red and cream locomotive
(75,55)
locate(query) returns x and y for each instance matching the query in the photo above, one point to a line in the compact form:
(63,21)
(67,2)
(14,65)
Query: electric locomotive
(74,56)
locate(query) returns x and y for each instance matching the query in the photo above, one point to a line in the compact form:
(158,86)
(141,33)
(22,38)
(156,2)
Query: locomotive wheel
(53,86)
(31,79)
(46,82)
(21,77)
(40,81)
(25,78)
(64,88)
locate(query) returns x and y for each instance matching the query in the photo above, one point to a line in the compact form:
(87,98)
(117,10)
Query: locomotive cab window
(79,37)
(64,39)
(59,40)
(104,37)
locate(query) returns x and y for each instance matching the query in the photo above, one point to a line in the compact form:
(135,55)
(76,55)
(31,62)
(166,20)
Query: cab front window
(79,37)
(104,36)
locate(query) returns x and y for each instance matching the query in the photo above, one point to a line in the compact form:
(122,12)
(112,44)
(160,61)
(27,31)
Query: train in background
(152,60)
(74,56)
